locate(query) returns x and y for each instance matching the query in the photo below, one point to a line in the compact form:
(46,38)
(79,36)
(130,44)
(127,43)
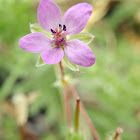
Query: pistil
(59,36)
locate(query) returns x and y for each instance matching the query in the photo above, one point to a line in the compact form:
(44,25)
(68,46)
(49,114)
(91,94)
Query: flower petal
(52,55)
(35,42)
(79,53)
(77,17)
(49,15)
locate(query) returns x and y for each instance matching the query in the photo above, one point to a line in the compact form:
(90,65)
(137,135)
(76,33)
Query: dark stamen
(53,31)
(60,26)
(64,27)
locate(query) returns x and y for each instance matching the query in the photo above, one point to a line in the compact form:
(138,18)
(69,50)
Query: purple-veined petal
(49,15)
(52,55)
(77,17)
(35,42)
(79,53)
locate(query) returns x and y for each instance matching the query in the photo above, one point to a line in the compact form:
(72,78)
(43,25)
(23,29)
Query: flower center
(59,37)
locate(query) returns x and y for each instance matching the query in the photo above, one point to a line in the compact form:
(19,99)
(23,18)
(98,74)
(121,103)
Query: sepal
(39,61)
(84,37)
(37,28)
(70,65)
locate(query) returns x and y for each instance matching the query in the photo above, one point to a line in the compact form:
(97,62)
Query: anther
(64,27)
(60,26)
(53,31)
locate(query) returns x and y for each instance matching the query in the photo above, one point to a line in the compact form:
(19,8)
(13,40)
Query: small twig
(118,132)
(84,113)
(22,133)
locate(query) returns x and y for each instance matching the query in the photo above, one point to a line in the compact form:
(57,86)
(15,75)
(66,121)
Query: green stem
(77,111)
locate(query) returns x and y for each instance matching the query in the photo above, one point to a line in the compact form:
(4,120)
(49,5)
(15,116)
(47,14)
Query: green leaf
(39,62)
(70,65)
(37,28)
(84,37)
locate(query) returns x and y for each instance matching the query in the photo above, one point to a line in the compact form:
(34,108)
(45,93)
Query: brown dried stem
(24,134)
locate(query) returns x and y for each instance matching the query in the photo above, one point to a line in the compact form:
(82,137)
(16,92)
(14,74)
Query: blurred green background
(110,89)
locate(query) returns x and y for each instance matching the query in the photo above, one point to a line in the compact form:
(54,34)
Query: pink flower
(73,22)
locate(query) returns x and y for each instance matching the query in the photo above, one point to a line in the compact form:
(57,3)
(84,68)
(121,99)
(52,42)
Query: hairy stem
(82,108)
(67,106)
(84,113)
(66,97)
